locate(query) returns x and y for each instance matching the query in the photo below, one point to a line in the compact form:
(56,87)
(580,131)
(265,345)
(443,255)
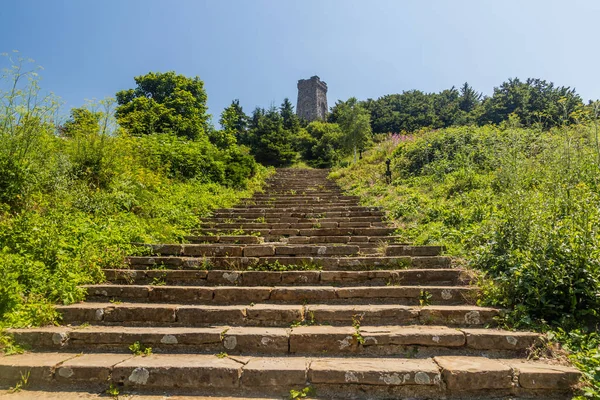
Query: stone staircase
(297,287)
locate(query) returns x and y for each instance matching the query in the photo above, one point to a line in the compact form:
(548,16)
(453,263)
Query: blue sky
(256,50)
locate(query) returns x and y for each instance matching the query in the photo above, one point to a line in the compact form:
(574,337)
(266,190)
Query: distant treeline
(534,102)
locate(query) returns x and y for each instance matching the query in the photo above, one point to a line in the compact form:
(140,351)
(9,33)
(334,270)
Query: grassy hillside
(74,197)
(62,231)
(522,206)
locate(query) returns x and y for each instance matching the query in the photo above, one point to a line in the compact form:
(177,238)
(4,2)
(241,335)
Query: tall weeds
(520,205)
(74,196)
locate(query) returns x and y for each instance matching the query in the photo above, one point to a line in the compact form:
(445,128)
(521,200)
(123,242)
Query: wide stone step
(342,205)
(345,239)
(231,239)
(84,393)
(252,250)
(364,378)
(300,193)
(290,186)
(439,277)
(279,241)
(293,220)
(282,315)
(299,199)
(303,209)
(269,213)
(407,295)
(421,341)
(314,231)
(274,263)
(251,239)
(251,226)
(312,196)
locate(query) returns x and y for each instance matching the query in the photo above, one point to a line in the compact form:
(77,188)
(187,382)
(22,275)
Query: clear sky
(256,50)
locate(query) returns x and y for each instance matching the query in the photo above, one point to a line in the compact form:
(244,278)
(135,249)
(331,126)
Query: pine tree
(291,122)
(469,98)
(270,142)
(234,123)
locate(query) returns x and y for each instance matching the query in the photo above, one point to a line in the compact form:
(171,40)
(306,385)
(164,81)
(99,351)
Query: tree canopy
(164,103)
(355,123)
(533,101)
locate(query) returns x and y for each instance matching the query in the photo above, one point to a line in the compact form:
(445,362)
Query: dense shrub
(520,205)
(74,199)
(321,144)
(198,159)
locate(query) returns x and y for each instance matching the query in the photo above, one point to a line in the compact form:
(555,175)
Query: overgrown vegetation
(75,196)
(534,101)
(519,200)
(277,136)
(520,204)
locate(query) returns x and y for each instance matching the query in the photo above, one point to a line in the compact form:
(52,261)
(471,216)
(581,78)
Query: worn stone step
(331,263)
(293,220)
(252,250)
(339,206)
(367,250)
(236,224)
(84,393)
(145,314)
(234,239)
(251,226)
(403,250)
(439,277)
(295,214)
(421,341)
(305,196)
(364,377)
(373,231)
(301,199)
(385,314)
(345,239)
(303,191)
(408,295)
(302,209)
(295,187)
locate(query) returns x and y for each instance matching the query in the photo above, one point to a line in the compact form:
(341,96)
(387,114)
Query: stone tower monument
(312,99)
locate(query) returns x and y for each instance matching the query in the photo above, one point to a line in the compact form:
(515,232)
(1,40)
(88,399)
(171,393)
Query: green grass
(73,205)
(521,206)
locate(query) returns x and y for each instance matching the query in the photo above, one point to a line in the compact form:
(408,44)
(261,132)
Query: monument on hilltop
(312,99)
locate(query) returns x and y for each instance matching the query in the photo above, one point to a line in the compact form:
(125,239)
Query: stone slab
(178,370)
(256,340)
(485,339)
(544,376)
(412,335)
(40,368)
(323,339)
(289,371)
(378,371)
(90,368)
(474,373)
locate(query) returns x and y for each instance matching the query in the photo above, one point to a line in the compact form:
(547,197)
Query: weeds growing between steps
(520,205)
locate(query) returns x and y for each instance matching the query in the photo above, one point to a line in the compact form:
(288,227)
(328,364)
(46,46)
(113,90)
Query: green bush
(73,203)
(321,145)
(184,159)
(522,206)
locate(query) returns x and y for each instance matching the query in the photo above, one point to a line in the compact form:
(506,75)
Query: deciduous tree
(164,102)
(355,122)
